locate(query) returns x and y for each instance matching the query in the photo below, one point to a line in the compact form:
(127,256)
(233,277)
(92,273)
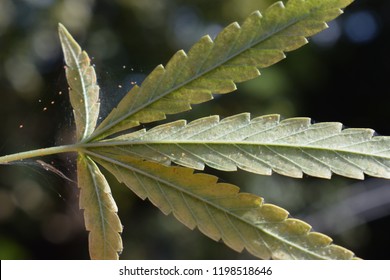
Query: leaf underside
(241,220)
(213,67)
(291,147)
(100,211)
(83,88)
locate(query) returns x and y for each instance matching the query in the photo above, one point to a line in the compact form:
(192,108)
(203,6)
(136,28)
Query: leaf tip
(60,26)
(68,44)
(62,31)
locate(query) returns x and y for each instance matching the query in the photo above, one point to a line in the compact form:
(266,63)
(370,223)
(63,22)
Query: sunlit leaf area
(340,76)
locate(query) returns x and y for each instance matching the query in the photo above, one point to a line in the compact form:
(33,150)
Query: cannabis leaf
(83,89)
(241,220)
(101,219)
(213,67)
(264,144)
(259,145)
(142,160)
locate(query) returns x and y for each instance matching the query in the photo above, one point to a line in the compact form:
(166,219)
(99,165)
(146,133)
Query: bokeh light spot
(361,27)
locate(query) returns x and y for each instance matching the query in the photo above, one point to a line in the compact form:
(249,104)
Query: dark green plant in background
(159,163)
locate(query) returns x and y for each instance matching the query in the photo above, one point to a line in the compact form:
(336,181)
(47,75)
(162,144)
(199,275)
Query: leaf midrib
(81,78)
(205,201)
(235,143)
(100,204)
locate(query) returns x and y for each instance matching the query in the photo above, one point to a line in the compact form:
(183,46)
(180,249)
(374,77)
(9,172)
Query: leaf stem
(38,153)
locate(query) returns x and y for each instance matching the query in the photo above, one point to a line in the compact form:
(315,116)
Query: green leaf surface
(83,89)
(241,220)
(213,67)
(100,211)
(264,144)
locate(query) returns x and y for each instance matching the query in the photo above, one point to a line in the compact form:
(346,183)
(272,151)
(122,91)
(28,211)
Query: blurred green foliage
(340,76)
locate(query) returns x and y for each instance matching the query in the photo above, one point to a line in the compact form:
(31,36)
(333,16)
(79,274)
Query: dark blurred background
(342,75)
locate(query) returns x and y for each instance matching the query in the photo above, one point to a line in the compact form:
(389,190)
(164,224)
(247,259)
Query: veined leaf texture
(264,144)
(100,211)
(241,220)
(213,67)
(83,89)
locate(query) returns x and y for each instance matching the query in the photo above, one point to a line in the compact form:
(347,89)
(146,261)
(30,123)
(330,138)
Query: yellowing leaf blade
(100,211)
(213,67)
(241,220)
(290,147)
(83,88)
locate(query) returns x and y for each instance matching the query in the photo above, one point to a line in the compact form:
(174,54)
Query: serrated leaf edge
(330,246)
